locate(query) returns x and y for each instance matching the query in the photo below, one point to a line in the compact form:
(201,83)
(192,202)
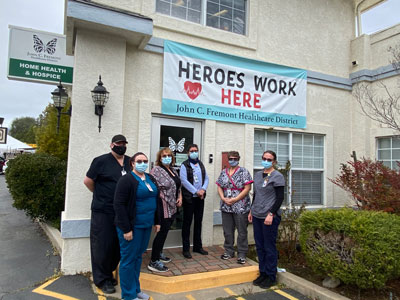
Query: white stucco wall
(311,34)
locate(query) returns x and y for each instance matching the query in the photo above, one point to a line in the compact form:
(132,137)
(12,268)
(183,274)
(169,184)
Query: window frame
(288,202)
(203,16)
(392,161)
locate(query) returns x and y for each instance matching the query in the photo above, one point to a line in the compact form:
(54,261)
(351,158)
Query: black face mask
(120,150)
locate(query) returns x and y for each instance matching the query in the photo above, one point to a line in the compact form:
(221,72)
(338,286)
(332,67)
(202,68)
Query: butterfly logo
(39,46)
(176,147)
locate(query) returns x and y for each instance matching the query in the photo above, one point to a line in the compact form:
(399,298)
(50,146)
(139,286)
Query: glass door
(177,135)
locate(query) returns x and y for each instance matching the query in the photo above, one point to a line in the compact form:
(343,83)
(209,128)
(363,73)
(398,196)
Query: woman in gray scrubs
(265,214)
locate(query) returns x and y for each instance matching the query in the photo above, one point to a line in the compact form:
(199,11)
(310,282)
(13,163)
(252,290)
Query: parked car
(3,165)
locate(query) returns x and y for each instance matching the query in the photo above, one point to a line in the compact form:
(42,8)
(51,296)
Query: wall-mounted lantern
(100,97)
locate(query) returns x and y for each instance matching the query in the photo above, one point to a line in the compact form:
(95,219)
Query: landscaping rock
(330,282)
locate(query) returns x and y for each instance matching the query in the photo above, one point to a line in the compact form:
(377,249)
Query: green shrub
(358,247)
(289,232)
(37,185)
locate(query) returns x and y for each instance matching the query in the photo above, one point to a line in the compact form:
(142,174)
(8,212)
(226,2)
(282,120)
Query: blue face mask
(266,164)
(141,167)
(194,155)
(233,163)
(166,160)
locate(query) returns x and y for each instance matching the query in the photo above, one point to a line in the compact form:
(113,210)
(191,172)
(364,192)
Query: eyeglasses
(267,159)
(234,158)
(139,161)
(166,155)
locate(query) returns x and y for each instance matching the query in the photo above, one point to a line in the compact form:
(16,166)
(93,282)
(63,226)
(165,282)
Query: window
(381,16)
(306,154)
(389,151)
(229,15)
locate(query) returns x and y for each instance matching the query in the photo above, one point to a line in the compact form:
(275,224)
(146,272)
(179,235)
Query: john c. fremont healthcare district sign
(38,56)
(201,83)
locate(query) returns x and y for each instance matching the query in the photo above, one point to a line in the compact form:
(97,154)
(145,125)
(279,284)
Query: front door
(176,134)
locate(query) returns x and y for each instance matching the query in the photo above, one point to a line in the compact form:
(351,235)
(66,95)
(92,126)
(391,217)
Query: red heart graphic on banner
(192,89)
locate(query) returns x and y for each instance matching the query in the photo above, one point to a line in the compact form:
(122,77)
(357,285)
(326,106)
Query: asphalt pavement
(28,261)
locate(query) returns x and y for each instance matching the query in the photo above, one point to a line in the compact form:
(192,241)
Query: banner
(205,84)
(38,56)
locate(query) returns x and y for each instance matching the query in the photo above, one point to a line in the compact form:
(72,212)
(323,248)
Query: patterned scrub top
(232,186)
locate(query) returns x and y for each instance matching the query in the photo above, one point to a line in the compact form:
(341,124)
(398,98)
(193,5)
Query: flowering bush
(372,185)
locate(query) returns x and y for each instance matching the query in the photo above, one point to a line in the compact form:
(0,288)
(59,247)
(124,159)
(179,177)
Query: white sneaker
(143,296)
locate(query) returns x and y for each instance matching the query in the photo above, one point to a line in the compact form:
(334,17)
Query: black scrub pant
(194,209)
(161,236)
(104,247)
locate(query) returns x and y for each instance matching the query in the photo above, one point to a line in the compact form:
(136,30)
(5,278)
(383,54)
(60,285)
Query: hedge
(361,248)
(37,185)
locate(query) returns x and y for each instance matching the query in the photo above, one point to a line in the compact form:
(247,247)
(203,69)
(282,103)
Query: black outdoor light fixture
(60,98)
(100,97)
(1,122)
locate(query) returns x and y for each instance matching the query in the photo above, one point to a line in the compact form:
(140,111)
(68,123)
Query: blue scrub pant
(265,237)
(131,260)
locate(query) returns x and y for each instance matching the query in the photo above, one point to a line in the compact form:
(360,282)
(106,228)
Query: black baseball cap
(119,138)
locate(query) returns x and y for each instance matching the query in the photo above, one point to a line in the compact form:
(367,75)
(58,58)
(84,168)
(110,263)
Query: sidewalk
(210,277)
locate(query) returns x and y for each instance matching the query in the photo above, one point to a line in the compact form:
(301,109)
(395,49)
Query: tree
(378,101)
(23,129)
(48,141)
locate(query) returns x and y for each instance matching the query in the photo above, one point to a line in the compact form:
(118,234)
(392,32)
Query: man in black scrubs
(101,179)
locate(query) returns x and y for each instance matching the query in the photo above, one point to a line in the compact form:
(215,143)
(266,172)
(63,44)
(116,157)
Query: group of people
(128,202)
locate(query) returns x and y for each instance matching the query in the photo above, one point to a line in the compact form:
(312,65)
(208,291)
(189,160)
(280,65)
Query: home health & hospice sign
(205,84)
(38,56)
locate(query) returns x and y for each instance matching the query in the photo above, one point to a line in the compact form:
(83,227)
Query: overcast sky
(20,99)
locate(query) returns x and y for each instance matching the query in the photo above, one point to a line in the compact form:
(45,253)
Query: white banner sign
(206,84)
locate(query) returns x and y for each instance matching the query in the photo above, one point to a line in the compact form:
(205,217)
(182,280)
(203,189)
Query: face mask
(233,163)
(120,150)
(166,160)
(141,167)
(194,155)
(266,164)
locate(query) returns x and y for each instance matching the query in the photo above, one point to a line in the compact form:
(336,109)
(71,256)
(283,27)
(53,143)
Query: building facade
(123,41)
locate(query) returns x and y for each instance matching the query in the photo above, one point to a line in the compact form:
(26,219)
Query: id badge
(265,182)
(148,186)
(228,193)
(195,178)
(123,172)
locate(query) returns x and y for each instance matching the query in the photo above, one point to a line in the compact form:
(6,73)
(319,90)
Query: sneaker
(143,296)
(227,256)
(157,266)
(107,287)
(241,260)
(164,258)
(259,279)
(267,283)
